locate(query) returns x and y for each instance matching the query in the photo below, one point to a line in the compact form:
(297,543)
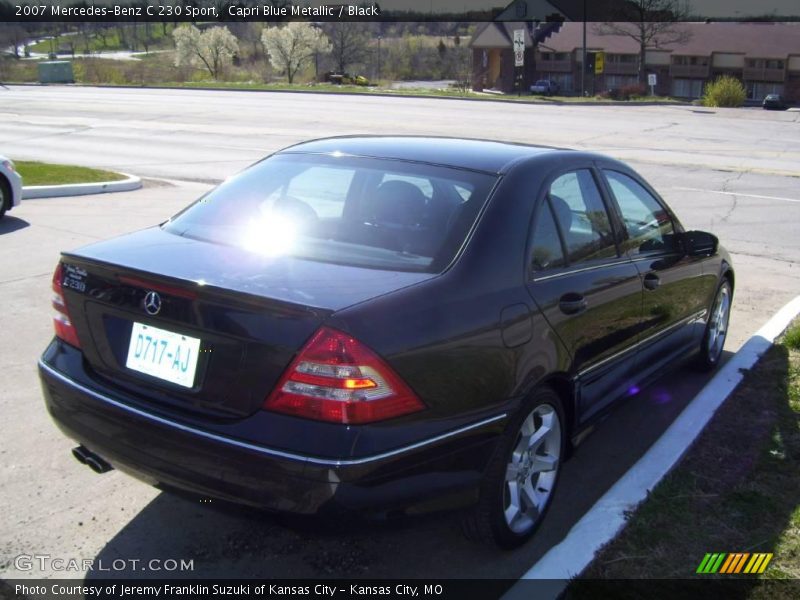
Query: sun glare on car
(270,235)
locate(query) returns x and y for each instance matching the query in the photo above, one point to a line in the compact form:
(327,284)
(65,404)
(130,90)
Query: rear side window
(546,250)
(367,212)
(581,217)
(647,223)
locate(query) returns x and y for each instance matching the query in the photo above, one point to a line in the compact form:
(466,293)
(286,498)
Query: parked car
(545,87)
(774,102)
(10,186)
(381,324)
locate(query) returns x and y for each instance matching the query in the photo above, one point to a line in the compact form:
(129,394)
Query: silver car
(10,186)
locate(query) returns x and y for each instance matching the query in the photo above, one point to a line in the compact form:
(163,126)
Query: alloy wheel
(532,468)
(718,327)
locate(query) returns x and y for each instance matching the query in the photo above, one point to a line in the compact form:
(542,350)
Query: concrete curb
(81,189)
(607,517)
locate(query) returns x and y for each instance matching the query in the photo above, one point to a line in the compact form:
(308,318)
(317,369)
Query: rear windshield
(366,212)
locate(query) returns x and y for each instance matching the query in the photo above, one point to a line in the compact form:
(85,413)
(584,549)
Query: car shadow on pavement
(9,224)
(233,542)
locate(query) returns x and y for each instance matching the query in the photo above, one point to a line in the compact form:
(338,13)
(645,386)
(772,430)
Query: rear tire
(716,329)
(522,474)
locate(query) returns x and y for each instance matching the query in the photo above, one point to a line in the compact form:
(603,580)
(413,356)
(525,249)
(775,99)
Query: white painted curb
(81,189)
(607,517)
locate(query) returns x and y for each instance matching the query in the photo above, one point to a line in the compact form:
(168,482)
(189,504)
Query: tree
(213,48)
(651,24)
(292,46)
(349,43)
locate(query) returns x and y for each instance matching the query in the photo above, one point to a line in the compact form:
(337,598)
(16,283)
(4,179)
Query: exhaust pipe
(86,457)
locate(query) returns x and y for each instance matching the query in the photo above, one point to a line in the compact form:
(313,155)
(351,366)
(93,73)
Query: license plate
(163,354)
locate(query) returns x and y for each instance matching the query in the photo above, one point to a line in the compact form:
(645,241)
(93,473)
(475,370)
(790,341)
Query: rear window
(366,212)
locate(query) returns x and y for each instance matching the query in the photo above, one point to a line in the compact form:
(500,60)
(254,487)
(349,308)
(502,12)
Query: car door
(589,292)
(674,296)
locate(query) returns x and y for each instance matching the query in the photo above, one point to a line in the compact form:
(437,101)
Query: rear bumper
(433,473)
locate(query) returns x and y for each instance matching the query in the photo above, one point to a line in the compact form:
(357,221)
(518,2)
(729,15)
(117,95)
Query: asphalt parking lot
(736,173)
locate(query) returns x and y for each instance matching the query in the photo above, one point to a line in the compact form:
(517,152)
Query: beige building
(764,56)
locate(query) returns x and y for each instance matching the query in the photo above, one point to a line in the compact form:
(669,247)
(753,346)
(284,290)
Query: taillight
(336,378)
(65,330)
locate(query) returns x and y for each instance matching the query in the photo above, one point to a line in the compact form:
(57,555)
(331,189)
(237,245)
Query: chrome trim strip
(621,261)
(648,339)
(268,451)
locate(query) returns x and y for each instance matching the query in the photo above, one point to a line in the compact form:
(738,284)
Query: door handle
(651,281)
(572,303)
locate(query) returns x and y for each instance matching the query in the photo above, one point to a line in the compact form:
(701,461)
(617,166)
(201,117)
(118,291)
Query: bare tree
(651,24)
(349,41)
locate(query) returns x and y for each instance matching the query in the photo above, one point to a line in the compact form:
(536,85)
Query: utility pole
(583,54)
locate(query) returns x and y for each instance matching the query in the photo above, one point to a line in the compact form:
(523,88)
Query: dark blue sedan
(381,325)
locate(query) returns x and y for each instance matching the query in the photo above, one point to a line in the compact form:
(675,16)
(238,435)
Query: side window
(546,252)
(582,217)
(648,225)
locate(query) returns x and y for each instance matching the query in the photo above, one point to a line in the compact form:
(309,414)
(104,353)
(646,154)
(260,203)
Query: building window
(622,58)
(763,63)
(554,56)
(700,61)
(756,90)
(615,82)
(687,88)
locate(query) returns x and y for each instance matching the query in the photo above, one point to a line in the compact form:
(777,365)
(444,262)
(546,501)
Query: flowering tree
(213,48)
(291,47)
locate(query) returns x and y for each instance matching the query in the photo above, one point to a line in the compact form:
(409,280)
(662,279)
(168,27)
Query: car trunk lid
(235,319)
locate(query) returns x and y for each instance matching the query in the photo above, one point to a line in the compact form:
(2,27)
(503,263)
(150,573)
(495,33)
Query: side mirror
(700,243)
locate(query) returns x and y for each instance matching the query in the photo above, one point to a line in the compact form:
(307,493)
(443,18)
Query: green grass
(158,70)
(111,42)
(38,173)
(792,337)
(736,490)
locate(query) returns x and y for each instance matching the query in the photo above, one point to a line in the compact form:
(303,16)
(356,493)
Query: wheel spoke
(539,436)
(512,472)
(532,501)
(543,463)
(513,510)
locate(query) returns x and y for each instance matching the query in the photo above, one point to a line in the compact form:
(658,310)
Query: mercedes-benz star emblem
(152,303)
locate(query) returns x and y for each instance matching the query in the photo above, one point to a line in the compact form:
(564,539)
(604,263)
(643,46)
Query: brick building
(764,56)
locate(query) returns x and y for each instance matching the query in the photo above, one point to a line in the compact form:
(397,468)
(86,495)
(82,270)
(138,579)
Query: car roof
(476,155)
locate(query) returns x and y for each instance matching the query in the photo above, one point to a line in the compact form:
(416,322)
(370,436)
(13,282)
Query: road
(733,172)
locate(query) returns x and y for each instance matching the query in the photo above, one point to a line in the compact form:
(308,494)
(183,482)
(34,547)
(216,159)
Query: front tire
(5,197)
(522,474)
(716,329)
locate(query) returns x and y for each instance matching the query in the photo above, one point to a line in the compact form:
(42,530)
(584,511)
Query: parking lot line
(689,189)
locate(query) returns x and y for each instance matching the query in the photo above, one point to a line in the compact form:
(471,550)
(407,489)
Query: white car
(10,186)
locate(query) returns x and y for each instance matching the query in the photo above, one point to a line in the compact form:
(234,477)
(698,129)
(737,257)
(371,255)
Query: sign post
(519,57)
(652,80)
(519,47)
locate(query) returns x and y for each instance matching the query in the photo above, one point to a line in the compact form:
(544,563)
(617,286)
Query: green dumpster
(56,71)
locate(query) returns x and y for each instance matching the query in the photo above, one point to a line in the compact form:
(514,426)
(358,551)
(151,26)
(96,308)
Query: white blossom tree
(213,48)
(292,46)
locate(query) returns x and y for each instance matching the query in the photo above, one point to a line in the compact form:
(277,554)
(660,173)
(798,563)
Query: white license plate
(163,354)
